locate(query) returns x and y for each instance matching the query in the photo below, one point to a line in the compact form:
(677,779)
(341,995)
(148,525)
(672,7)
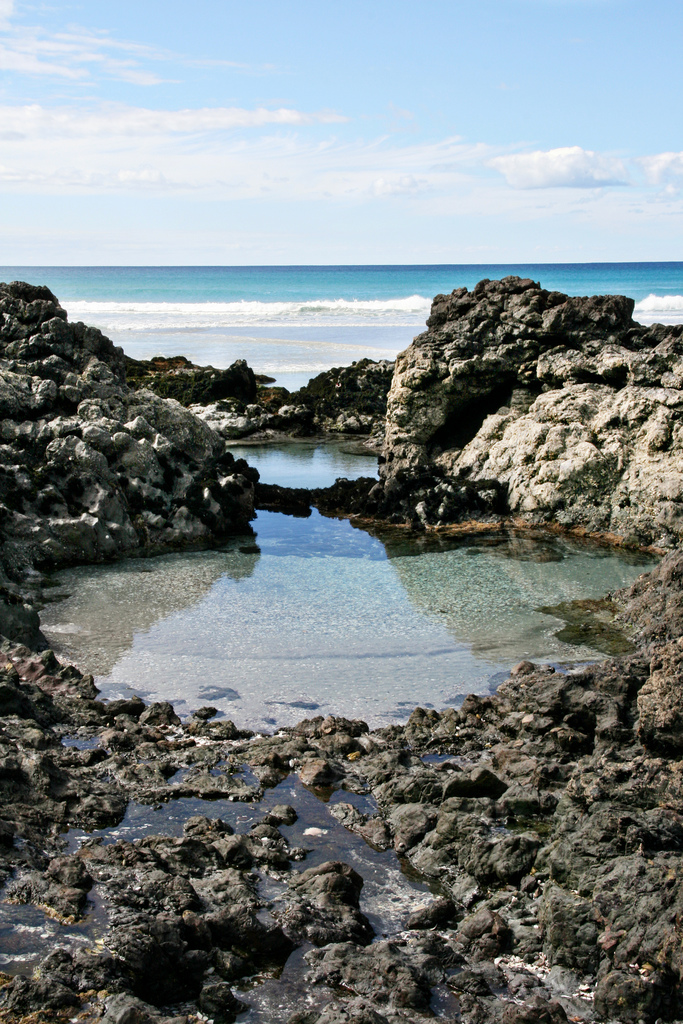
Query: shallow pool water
(308,462)
(314,616)
(27,932)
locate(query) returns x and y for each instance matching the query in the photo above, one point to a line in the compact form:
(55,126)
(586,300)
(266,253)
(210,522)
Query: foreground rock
(548,827)
(91,469)
(523,403)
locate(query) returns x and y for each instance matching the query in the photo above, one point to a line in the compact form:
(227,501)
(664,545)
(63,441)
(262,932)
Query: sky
(220,132)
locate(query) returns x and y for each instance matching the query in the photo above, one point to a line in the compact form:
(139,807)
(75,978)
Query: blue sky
(218,132)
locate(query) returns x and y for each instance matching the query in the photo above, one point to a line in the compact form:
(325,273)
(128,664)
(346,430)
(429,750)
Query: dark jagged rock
(349,399)
(19,621)
(294,501)
(89,468)
(176,377)
(344,400)
(344,497)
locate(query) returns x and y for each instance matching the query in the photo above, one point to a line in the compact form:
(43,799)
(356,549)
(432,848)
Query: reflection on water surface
(318,617)
(308,462)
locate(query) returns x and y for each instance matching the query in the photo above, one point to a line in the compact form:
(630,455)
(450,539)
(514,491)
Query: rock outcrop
(343,400)
(351,399)
(176,377)
(91,469)
(522,403)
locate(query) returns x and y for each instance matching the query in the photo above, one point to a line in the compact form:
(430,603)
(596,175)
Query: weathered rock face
(90,469)
(526,403)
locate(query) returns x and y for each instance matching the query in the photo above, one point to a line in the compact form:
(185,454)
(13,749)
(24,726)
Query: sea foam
(662,309)
(146,316)
(408,311)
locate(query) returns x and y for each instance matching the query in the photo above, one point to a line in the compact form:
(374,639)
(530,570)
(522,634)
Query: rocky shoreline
(545,819)
(541,826)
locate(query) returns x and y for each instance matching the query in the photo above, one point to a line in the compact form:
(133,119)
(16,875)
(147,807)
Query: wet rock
(484,934)
(434,915)
(281,814)
(19,621)
(218,1001)
(660,702)
(125,1009)
(70,871)
(631,998)
(476,981)
(410,822)
(28,995)
(536,1009)
(356,1011)
(318,773)
(324,906)
(653,604)
(570,930)
(239,929)
(161,713)
(480,783)
(131,706)
(395,975)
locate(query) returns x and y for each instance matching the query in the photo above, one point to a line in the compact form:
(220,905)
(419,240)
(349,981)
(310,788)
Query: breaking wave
(663,309)
(147,316)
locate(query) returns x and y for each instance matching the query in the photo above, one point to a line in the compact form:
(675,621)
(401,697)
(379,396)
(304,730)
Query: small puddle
(275,1000)
(27,933)
(81,742)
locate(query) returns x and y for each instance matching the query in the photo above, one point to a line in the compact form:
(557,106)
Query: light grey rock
(530,405)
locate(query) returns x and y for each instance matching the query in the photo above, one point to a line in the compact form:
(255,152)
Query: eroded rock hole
(465,422)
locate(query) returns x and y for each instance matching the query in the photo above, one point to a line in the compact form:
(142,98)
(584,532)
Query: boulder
(91,469)
(520,402)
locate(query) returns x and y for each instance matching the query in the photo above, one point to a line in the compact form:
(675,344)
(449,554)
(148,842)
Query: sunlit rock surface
(89,469)
(526,403)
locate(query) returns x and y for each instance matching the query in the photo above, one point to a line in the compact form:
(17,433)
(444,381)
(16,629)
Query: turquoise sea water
(293,322)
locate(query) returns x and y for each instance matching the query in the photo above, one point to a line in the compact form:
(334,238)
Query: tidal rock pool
(308,462)
(313,616)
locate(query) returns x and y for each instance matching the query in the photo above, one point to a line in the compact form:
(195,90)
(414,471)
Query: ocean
(294,322)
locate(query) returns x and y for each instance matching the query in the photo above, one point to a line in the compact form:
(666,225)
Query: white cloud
(404,185)
(662,168)
(72,55)
(82,53)
(566,167)
(123,149)
(115,120)
(6,11)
